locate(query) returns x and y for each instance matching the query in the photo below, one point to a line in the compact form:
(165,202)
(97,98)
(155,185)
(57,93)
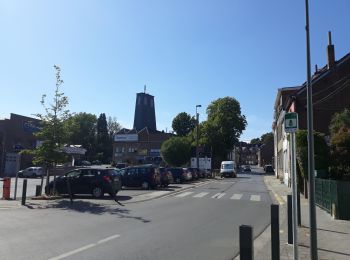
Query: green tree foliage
(183,124)
(81,130)
(321,150)
(224,126)
(113,127)
(176,151)
(255,141)
(104,143)
(266,138)
(53,134)
(340,144)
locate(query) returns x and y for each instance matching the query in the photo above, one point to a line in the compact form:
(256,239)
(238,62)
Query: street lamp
(197,135)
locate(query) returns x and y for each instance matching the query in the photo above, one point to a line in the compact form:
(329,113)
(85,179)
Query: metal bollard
(299,210)
(275,232)
(246,242)
(290,219)
(69,190)
(38,190)
(24,192)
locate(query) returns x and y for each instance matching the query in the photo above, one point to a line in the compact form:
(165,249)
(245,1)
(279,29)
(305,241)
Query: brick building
(16,134)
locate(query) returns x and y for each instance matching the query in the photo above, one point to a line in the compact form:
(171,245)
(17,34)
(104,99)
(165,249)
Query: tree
(255,141)
(266,138)
(53,133)
(176,151)
(81,130)
(113,127)
(183,124)
(224,126)
(104,144)
(340,145)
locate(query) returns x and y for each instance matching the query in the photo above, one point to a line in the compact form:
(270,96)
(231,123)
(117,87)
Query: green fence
(334,197)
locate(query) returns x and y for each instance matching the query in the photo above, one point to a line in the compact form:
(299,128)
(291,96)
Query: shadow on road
(89,207)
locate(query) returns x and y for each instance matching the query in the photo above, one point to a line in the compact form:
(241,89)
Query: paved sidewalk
(333,236)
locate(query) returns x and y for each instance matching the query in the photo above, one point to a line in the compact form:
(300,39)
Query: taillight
(106,178)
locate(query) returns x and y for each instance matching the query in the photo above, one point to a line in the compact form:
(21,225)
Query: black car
(247,168)
(144,176)
(269,169)
(165,177)
(195,173)
(94,181)
(179,174)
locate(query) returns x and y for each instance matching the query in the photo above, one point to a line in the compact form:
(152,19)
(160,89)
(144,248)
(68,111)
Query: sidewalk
(333,236)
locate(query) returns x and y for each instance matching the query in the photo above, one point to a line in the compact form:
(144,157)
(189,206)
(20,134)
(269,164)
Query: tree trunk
(47,180)
(306,185)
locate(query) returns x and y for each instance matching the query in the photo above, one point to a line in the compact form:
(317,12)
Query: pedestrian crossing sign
(291,122)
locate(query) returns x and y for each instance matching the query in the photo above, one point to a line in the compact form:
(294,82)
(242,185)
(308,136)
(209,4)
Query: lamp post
(311,161)
(197,135)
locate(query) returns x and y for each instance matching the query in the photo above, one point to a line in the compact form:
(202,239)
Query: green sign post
(291,126)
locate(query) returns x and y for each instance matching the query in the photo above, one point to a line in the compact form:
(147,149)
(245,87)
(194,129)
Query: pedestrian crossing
(220,195)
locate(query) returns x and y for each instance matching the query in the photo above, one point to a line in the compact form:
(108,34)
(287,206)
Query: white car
(31,172)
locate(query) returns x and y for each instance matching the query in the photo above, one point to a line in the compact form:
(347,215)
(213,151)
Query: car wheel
(145,185)
(97,192)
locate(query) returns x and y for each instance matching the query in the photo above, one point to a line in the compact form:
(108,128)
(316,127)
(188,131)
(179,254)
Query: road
(197,223)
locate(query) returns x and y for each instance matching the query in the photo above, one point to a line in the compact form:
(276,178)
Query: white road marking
(236,196)
(184,194)
(200,195)
(255,197)
(83,248)
(73,252)
(152,195)
(218,195)
(107,239)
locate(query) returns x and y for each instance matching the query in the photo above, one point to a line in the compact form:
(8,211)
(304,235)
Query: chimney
(330,52)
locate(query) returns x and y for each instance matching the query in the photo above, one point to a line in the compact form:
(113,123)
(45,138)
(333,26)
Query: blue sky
(187,52)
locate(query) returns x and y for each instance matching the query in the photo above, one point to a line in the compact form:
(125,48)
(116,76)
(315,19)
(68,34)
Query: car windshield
(227,166)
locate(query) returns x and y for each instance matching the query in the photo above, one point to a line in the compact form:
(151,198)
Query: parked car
(247,168)
(195,173)
(95,181)
(188,174)
(269,169)
(165,177)
(96,162)
(179,175)
(31,172)
(145,176)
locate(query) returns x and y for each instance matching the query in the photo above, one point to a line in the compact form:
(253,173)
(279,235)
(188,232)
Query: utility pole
(310,129)
(197,135)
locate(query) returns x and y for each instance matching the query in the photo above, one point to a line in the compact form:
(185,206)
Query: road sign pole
(294,192)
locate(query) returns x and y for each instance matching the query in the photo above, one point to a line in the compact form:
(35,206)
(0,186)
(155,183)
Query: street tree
(224,126)
(52,134)
(255,141)
(176,151)
(104,144)
(183,124)
(266,138)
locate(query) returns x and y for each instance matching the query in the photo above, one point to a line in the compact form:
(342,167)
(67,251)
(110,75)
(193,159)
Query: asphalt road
(198,223)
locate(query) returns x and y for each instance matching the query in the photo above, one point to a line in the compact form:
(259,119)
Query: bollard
(24,192)
(6,188)
(290,219)
(275,232)
(246,242)
(37,190)
(299,210)
(69,187)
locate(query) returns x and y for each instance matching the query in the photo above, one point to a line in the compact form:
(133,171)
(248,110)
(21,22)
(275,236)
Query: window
(73,173)
(87,173)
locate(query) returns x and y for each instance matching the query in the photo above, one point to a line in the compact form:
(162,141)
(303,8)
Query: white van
(227,169)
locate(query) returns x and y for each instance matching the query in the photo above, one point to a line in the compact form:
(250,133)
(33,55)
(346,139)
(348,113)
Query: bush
(176,151)
(321,152)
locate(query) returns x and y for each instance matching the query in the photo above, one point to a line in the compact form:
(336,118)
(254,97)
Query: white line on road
(184,194)
(236,196)
(107,239)
(73,252)
(255,197)
(83,248)
(200,195)
(218,195)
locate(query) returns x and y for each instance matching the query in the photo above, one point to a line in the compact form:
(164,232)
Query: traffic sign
(291,122)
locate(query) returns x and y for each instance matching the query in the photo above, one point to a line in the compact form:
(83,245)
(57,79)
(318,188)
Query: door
(73,178)
(85,181)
